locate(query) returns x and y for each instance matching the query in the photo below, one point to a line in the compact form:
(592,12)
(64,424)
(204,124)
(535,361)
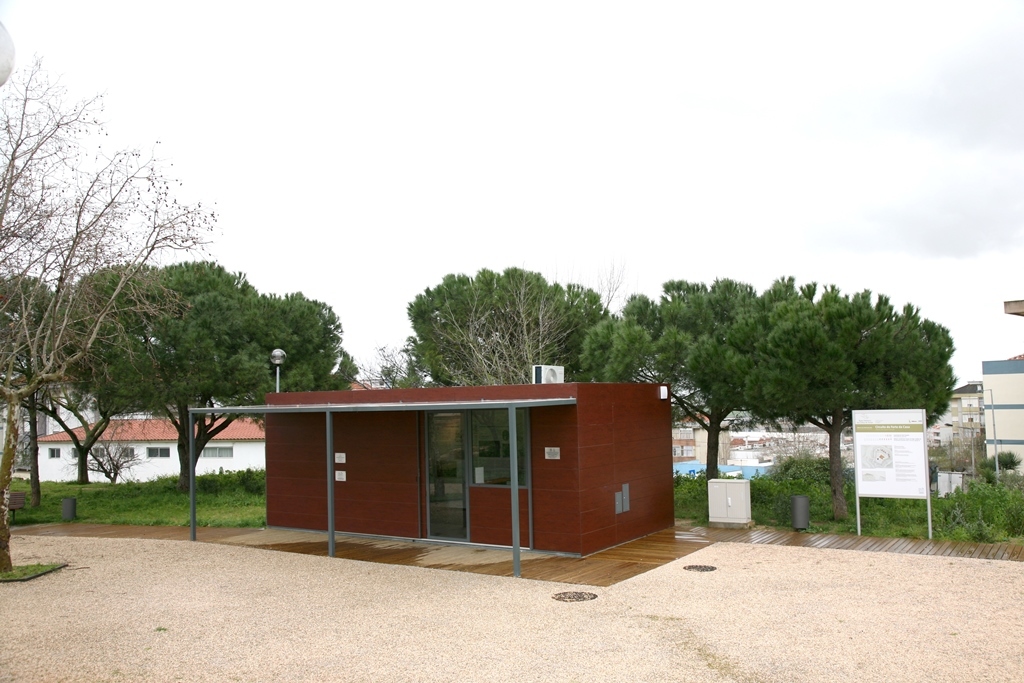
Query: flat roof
(391,407)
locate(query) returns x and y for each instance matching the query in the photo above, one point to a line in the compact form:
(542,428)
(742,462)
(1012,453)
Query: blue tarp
(692,468)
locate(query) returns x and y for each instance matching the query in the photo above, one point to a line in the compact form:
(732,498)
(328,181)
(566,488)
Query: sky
(358,152)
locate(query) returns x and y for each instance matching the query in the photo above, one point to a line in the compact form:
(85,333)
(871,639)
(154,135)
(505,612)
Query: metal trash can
(800,512)
(68,509)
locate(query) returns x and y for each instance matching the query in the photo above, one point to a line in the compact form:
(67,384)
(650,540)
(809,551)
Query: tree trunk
(6,473)
(714,430)
(33,452)
(83,466)
(184,461)
(835,462)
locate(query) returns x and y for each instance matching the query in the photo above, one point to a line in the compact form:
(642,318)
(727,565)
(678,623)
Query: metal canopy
(391,407)
(329,408)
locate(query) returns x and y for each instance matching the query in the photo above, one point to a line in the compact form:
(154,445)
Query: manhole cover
(699,568)
(574,596)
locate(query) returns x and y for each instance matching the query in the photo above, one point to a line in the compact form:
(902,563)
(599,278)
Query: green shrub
(249,481)
(985,513)
(809,470)
(691,496)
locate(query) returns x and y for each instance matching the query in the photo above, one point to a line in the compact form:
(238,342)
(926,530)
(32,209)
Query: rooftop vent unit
(548,374)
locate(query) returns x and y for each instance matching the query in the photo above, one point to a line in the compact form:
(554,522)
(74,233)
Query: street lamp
(995,439)
(277,357)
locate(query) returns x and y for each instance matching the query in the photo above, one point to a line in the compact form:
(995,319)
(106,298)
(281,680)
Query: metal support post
(192,474)
(330,485)
(513,446)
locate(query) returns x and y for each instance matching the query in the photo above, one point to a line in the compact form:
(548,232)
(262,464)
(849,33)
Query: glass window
(490,446)
(158,452)
(54,453)
(219,452)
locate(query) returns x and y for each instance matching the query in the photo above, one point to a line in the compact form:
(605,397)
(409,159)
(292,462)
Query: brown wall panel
(381,492)
(292,520)
(597,434)
(594,541)
(490,519)
(596,409)
(555,482)
(548,478)
(650,486)
(296,471)
(628,470)
(597,456)
(557,542)
(603,496)
(641,456)
(556,511)
(355,491)
(598,518)
(596,477)
(297,486)
(379,527)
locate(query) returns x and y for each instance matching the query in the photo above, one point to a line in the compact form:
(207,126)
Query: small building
(154,445)
(594,463)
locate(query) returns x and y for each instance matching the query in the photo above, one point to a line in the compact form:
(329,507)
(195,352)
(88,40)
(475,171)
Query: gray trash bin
(800,512)
(68,509)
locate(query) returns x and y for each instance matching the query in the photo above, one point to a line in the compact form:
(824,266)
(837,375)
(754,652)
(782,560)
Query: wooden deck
(601,569)
(906,546)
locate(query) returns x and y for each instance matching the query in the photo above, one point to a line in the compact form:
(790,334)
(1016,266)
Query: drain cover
(699,568)
(574,596)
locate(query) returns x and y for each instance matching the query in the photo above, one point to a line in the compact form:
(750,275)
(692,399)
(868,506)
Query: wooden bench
(16,502)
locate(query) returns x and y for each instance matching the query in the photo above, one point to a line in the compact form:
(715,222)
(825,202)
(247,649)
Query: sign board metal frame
(890,456)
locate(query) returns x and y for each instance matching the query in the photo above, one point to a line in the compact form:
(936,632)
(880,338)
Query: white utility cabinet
(949,482)
(729,503)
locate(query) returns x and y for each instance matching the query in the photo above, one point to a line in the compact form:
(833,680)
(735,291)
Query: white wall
(245,455)
(1004,407)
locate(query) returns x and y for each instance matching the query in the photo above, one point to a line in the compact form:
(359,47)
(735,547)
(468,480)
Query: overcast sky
(359,151)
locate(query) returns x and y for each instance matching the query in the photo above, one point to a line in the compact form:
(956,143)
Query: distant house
(155,443)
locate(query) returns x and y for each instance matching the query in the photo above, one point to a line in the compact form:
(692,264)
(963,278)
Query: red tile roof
(161,430)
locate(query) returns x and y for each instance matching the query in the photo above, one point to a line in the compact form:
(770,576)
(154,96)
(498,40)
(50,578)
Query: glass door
(446,477)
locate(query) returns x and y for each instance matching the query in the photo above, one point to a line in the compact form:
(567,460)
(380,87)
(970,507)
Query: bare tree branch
(68,217)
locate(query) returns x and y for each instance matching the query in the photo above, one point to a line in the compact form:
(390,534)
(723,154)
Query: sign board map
(890,453)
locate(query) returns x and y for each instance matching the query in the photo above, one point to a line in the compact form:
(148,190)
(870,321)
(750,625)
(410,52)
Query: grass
(28,571)
(232,499)
(986,513)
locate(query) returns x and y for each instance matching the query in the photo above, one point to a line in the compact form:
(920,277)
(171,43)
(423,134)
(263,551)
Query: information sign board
(890,456)
(890,453)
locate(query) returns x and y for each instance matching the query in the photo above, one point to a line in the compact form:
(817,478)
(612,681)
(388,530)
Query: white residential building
(1004,414)
(155,442)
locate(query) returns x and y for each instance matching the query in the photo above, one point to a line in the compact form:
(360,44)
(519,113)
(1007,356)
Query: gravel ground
(142,610)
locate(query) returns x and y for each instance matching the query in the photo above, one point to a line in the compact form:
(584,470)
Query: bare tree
(392,368)
(611,285)
(112,456)
(492,328)
(77,230)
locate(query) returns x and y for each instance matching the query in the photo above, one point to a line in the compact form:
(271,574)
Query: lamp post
(277,357)
(995,439)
